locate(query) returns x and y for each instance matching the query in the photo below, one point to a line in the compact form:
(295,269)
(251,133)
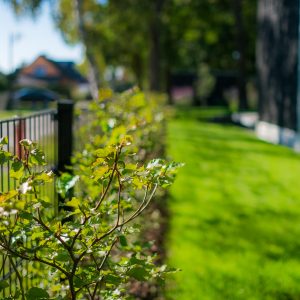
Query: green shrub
(90,249)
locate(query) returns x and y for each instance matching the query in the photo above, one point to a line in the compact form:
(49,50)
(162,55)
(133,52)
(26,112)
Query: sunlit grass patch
(235,214)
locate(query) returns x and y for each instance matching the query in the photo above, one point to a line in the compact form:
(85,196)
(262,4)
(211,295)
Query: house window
(40,71)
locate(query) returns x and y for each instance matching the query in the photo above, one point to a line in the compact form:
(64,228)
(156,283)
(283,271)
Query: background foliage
(154,40)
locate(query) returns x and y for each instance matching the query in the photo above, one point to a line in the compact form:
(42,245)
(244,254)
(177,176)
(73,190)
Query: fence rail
(52,130)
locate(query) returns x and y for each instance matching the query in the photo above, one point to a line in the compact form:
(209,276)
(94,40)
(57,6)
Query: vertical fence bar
(65,140)
(65,136)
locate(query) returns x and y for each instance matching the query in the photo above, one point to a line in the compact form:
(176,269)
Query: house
(44,72)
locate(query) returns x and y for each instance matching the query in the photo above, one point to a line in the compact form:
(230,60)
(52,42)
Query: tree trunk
(155,46)
(277,61)
(93,74)
(241,46)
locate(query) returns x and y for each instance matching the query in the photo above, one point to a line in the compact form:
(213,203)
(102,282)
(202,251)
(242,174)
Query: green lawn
(235,214)
(5,114)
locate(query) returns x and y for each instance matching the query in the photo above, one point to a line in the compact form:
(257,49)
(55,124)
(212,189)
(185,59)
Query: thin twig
(104,193)
(102,264)
(141,209)
(34,258)
(56,235)
(18,276)
(110,178)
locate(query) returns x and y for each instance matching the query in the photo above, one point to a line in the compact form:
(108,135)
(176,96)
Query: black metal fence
(39,127)
(52,130)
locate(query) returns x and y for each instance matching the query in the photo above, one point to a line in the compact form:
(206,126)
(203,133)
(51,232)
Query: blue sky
(35,37)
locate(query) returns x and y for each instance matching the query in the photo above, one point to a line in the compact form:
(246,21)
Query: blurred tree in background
(3,82)
(154,39)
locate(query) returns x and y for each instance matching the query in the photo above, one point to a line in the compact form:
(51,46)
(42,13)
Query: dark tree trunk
(93,74)
(155,45)
(241,46)
(277,61)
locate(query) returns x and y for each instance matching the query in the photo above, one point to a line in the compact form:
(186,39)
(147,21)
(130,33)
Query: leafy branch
(93,250)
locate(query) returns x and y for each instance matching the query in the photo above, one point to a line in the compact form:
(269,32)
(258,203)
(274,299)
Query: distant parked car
(33,95)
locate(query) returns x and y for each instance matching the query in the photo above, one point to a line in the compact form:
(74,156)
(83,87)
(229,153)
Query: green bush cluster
(89,250)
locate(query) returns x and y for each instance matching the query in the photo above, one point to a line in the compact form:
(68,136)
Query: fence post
(65,135)
(65,143)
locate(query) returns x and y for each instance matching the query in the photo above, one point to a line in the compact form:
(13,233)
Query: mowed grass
(235,214)
(6,114)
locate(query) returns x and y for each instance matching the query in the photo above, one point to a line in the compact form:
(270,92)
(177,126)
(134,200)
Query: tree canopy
(154,39)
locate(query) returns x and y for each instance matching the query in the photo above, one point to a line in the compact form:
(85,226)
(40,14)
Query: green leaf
(99,172)
(4,140)
(45,204)
(102,152)
(26,215)
(112,279)
(37,294)
(37,157)
(123,240)
(121,164)
(17,169)
(8,195)
(137,183)
(4,157)
(3,284)
(62,256)
(37,235)
(65,182)
(44,177)
(73,203)
(126,140)
(136,261)
(79,282)
(138,273)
